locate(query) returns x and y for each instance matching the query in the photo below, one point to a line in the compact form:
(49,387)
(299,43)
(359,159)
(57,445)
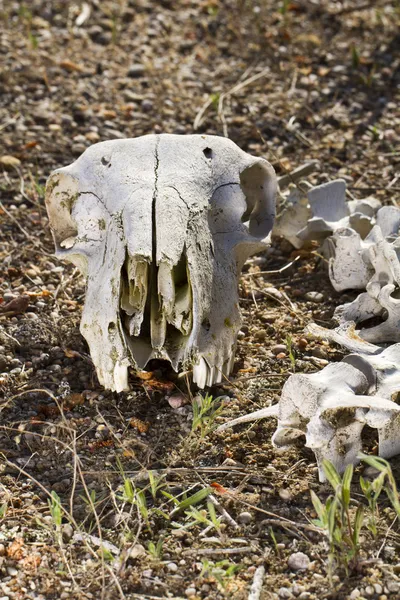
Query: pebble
(297,590)
(3,550)
(190,592)
(31,315)
(314,297)
(304,596)
(260,335)
(67,532)
(285,495)
(3,362)
(278,348)
(284,593)
(245,518)
(147,105)
(298,561)
(319,353)
(173,567)
(136,70)
(378,588)
(355,594)
(392,586)
(302,343)
(369,591)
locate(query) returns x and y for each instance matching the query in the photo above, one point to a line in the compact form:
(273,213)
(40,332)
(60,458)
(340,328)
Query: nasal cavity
(207,152)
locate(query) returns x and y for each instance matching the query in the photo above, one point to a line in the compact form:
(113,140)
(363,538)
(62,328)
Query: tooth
(120,378)
(166,288)
(200,371)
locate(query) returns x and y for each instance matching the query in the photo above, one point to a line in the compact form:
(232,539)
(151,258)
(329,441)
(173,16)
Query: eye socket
(207,152)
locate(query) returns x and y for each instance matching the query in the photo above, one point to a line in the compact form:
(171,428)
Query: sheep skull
(158,225)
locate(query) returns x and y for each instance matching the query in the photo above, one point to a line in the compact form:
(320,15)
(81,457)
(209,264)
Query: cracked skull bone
(161,226)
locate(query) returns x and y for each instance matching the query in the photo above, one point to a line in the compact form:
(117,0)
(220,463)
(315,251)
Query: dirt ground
(88,478)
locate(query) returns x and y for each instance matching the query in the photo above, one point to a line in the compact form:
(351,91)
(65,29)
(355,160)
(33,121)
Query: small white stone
(190,592)
(298,561)
(173,567)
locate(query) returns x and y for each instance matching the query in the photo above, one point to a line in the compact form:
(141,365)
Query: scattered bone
(161,226)
(321,211)
(329,409)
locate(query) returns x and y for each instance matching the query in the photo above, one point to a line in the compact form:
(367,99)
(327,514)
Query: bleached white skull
(158,224)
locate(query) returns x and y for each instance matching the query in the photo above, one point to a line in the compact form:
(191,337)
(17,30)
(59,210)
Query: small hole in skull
(207,152)
(111,327)
(105,161)
(206,324)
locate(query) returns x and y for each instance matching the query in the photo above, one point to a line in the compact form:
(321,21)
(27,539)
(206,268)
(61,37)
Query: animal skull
(157,225)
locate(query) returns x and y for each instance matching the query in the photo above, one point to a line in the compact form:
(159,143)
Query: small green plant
(291,352)
(55,509)
(201,517)
(388,480)
(355,57)
(334,517)
(372,490)
(3,509)
(273,538)
(156,483)
(135,496)
(221,571)
(156,550)
(215,101)
(284,7)
(26,16)
(205,411)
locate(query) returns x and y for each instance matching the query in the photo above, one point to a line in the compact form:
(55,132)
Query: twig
(236,88)
(14,220)
(216,552)
(274,272)
(223,512)
(373,188)
(256,586)
(263,413)
(386,537)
